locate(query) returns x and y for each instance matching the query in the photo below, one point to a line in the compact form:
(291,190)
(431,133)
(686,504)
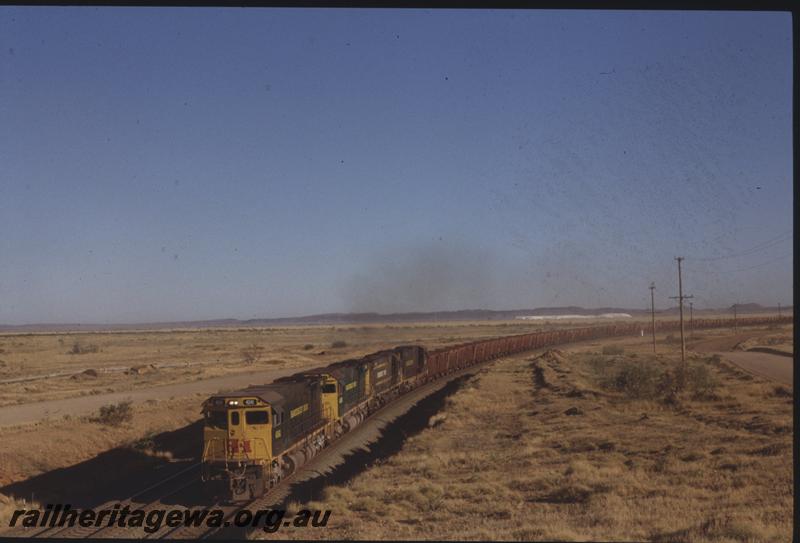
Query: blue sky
(165,164)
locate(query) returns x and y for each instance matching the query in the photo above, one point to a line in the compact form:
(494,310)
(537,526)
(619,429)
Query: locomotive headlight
(233,402)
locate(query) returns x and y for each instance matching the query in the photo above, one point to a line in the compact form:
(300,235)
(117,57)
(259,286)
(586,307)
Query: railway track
(155,496)
(323,462)
(165,488)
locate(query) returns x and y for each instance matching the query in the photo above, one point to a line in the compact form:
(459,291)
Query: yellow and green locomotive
(254,437)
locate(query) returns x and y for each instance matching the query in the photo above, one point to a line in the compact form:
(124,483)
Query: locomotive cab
(240,426)
(237,442)
(254,437)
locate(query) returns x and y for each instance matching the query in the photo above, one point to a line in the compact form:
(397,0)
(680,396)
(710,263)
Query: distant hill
(747,308)
(369,318)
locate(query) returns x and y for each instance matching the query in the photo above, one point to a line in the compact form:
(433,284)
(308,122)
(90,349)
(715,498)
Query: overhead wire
(757,265)
(785,236)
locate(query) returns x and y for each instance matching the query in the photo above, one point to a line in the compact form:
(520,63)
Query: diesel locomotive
(254,437)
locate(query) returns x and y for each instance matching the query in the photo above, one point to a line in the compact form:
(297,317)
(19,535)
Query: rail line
(507,346)
(84,532)
(317,465)
(273,497)
(464,353)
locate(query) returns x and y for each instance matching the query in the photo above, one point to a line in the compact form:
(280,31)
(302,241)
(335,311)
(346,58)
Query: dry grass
(778,341)
(31,450)
(187,355)
(543,448)
(146,359)
(10,504)
(603,471)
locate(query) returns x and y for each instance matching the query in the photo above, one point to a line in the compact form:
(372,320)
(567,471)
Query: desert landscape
(583,443)
(336,272)
(37,367)
(603,448)
(165,375)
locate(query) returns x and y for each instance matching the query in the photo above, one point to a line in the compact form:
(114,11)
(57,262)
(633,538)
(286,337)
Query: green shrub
(80,348)
(338,344)
(114,415)
(308,346)
(701,381)
(598,362)
(669,385)
(637,380)
(782,392)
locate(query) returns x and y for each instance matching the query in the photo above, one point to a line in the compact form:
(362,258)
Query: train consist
(255,437)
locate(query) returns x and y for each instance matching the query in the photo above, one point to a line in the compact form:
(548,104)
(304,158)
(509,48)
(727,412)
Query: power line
(786,236)
(680,298)
(653,313)
(772,261)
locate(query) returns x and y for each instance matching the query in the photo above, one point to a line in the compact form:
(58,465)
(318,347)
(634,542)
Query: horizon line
(364,313)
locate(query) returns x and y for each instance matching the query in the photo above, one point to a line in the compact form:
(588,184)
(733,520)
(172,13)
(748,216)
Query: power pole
(680,298)
(779,310)
(735,325)
(653,313)
(691,321)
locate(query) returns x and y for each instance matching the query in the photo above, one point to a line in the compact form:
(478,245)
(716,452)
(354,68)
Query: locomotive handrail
(226,449)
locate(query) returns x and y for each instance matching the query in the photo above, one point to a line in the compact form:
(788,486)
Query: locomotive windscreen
(217,419)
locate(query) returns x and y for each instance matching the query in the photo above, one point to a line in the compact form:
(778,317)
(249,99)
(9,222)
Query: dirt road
(772,366)
(86,405)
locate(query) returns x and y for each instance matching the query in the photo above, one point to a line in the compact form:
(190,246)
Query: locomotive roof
(275,393)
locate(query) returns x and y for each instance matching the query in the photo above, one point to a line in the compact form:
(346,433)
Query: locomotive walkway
(13,415)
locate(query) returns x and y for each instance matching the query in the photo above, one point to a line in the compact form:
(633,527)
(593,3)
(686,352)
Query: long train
(255,437)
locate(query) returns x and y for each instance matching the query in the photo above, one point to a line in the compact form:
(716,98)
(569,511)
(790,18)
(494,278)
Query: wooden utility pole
(680,298)
(653,313)
(691,321)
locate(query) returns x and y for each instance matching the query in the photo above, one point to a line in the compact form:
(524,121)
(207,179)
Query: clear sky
(196,163)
